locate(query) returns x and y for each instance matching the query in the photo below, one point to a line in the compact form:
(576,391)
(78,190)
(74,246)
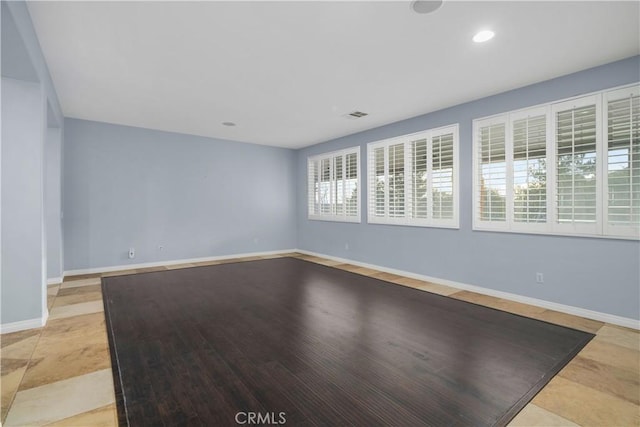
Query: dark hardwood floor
(324,346)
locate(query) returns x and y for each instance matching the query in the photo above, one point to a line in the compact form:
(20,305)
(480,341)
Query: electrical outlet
(539,278)
(132,253)
(161,248)
(346,246)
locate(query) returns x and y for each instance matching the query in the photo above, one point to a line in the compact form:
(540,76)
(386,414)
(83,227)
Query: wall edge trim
(22,325)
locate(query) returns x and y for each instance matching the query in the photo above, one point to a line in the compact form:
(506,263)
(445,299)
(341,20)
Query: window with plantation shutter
(396,181)
(511,171)
(419,185)
(379,187)
(333,181)
(569,167)
(441,185)
(492,171)
(413,179)
(576,132)
(530,169)
(623,161)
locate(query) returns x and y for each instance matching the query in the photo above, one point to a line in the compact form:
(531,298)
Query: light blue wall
(197,197)
(22,231)
(596,274)
(27,89)
(53,201)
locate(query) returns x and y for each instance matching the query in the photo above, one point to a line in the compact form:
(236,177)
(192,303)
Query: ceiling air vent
(356,115)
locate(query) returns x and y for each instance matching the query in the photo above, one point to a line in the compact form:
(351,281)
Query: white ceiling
(287,72)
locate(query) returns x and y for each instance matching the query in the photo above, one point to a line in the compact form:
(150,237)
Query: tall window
(570,167)
(530,168)
(493,172)
(333,180)
(576,132)
(622,161)
(413,179)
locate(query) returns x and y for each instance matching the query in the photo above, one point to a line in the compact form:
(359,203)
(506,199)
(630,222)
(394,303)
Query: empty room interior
(320,213)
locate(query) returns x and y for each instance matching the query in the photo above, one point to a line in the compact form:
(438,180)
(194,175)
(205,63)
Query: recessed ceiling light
(228,123)
(425,6)
(483,36)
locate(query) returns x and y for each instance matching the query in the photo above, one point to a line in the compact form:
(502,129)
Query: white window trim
(453,223)
(310,184)
(601,229)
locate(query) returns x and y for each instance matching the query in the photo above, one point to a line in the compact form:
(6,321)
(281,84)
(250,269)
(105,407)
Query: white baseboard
(55,281)
(171,262)
(576,311)
(24,324)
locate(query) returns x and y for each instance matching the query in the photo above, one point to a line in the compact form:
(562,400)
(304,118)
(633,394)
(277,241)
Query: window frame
(601,228)
(311,215)
(406,141)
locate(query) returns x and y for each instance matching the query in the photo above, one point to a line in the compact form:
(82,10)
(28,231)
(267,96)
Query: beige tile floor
(60,375)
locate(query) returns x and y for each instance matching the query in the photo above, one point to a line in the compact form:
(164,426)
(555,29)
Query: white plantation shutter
(338,185)
(511,171)
(577,136)
(312,190)
(351,191)
(491,172)
(623,162)
(396,181)
(570,167)
(419,185)
(333,186)
(413,179)
(442,179)
(527,199)
(379,187)
(325,187)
